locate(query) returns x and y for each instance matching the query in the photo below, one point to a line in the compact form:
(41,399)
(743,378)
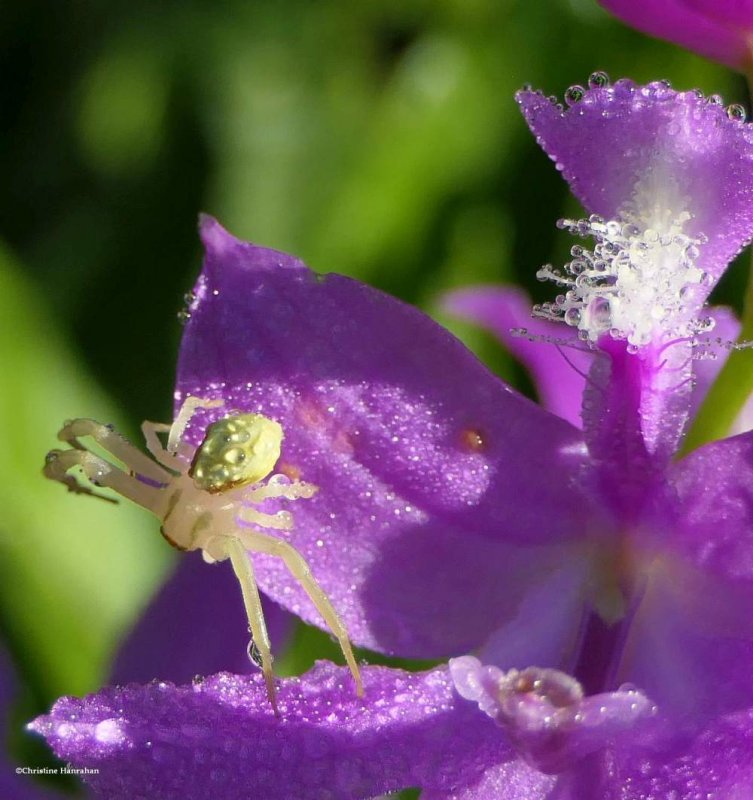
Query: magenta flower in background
(607,588)
(721,30)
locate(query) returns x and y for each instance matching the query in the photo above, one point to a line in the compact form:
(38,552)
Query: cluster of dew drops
(600,80)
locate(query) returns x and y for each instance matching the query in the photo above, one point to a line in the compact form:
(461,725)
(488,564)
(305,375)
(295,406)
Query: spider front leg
(154,445)
(115,444)
(171,456)
(258,542)
(100,473)
(190,406)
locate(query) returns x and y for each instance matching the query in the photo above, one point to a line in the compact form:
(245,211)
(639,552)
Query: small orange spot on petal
(473,440)
(311,414)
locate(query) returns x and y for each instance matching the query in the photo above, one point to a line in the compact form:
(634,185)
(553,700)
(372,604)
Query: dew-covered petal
(504,781)
(434,477)
(558,372)
(714,487)
(691,644)
(717,29)
(715,763)
(684,153)
(635,408)
(220,738)
(195,625)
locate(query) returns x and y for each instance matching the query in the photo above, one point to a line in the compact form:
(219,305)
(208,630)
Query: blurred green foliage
(379,139)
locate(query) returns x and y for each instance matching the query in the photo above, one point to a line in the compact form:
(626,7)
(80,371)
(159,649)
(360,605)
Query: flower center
(640,283)
(545,713)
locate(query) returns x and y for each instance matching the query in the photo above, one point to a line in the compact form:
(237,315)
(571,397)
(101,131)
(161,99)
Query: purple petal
(714,486)
(694,158)
(734,13)
(415,446)
(558,373)
(692,642)
(194,625)
(715,763)
(546,624)
(634,413)
(506,781)
(220,738)
(717,29)
(690,645)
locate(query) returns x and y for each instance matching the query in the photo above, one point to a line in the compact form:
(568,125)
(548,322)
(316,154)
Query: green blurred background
(378,139)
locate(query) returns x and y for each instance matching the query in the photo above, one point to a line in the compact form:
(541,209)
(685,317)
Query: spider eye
(236,451)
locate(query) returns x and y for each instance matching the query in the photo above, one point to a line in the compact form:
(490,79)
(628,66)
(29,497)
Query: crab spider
(201,496)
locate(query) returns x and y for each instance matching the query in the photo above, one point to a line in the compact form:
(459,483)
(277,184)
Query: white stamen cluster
(640,282)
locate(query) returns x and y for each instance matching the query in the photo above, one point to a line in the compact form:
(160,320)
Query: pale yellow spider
(200,496)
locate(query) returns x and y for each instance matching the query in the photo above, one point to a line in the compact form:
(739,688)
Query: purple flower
(718,29)
(607,586)
(219,738)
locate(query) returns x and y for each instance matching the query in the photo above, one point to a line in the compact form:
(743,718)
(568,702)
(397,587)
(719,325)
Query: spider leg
(279,486)
(262,543)
(281,520)
(187,410)
(101,473)
(154,445)
(244,572)
(56,470)
(115,444)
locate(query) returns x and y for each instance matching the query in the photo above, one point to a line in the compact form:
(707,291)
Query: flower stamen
(640,283)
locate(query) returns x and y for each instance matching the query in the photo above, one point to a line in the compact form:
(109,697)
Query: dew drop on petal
(736,112)
(574,94)
(598,80)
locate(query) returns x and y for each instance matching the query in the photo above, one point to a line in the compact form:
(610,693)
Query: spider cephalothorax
(201,496)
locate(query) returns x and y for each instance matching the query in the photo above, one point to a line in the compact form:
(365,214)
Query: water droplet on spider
(598,80)
(736,112)
(573,316)
(574,94)
(183,316)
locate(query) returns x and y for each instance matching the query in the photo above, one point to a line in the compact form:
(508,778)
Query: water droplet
(736,112)
(254,656)
(189,297)
(574,94)
(183,316)
(598,80)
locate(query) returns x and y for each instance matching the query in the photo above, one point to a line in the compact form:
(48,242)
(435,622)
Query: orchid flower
(606,587)
(721,30)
